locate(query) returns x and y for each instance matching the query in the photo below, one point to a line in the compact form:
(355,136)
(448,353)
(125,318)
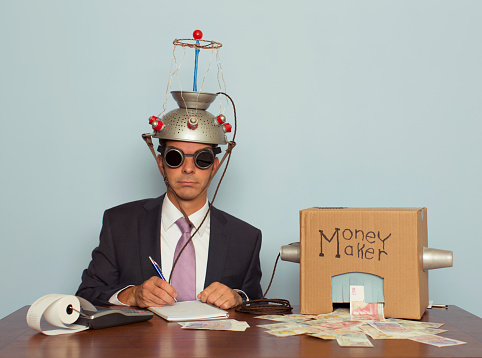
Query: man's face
(188,181)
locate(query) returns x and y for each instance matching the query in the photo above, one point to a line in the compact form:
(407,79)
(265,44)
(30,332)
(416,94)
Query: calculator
(110,317)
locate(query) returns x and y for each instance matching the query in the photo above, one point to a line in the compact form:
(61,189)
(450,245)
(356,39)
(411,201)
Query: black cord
(266,306)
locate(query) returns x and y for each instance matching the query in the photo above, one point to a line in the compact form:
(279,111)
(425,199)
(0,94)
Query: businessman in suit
(227,249)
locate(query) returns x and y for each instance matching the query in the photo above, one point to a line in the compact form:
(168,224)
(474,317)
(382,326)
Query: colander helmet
(191,122)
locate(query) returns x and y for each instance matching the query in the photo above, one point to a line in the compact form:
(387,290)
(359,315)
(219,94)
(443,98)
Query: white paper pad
(189,311)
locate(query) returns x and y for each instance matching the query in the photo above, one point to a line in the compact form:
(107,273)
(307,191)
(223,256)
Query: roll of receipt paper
(60,311)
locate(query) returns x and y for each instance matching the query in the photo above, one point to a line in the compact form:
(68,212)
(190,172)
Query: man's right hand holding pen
(151,293)
(154,292)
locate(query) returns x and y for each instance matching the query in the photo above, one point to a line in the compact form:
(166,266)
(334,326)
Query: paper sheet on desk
(60,311)
(189,311)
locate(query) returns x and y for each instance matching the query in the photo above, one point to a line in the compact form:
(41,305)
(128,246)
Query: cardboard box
(386,242)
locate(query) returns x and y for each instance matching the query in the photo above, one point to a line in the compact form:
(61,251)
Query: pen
(158,269)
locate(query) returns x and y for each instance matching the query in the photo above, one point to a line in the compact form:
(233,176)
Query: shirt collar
(170,214)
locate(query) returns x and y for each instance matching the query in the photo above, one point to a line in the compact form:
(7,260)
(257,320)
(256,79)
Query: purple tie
(183,278)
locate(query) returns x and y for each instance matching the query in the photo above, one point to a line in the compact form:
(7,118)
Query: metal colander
(192,122)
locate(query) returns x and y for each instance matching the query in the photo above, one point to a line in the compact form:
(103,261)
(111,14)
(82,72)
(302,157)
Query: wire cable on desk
(265,306)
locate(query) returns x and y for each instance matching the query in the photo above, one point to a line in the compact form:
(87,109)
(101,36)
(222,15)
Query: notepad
(189,311)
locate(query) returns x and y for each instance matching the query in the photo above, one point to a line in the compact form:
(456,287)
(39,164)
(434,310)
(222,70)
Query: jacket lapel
(218,248)
(149,228)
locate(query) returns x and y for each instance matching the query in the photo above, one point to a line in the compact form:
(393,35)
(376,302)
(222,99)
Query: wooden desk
(157,338)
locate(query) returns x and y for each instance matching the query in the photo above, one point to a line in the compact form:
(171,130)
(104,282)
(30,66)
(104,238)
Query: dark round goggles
(174,157)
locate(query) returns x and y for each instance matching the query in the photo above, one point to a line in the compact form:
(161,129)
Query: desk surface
(158,338)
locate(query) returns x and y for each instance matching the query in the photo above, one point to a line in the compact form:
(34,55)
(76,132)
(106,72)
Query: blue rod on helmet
(197,35)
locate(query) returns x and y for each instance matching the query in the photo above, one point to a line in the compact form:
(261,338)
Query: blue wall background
(340,103)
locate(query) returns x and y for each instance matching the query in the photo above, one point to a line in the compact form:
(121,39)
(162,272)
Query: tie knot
(183,225)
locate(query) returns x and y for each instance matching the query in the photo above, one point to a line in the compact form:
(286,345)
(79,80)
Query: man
(226,249)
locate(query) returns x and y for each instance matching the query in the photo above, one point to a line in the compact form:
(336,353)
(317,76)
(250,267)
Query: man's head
(177,164)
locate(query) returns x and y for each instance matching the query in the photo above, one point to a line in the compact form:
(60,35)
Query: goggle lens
(174,157)
(204,159)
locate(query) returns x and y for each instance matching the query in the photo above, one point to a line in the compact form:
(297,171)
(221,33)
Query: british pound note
(437,340)
(353,340)
(361,311)
(217,325)
(392,329)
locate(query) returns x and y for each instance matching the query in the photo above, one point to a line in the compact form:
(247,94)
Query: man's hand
(221,296)
(153,292)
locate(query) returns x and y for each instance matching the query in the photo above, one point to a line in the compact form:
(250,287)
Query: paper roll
(64,311)
(59,310)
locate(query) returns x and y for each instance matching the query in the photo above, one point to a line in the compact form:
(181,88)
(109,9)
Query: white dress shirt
(170,234)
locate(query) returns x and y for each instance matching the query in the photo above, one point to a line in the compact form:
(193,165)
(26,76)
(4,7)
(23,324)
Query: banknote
(338,325)
(285,318)
(437,340)
(294,316)
(406,323)
(272,317)
(416,330)
(319,322)
(373,332)
(393,329)
(362,311)
(426,330)
(282,325)
(357,293)
(286,332)
(353,340)
(331,334)
(314,329)
(340,314)
(217,325)
(327,335)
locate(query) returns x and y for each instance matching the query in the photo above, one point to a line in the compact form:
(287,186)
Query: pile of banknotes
(352,329)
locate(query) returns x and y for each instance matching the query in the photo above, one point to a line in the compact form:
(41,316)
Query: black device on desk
(110,317)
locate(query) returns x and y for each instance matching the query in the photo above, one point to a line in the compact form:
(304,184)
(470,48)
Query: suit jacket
(131,233)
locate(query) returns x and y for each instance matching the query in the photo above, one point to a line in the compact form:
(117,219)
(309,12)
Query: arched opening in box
(373,284)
